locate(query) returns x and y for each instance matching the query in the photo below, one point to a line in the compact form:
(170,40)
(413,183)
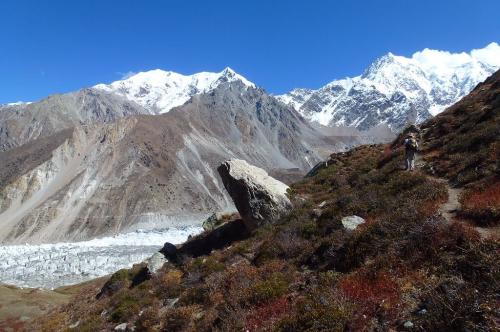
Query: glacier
(53,265)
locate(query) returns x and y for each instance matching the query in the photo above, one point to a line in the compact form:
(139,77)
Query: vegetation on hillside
(405,268)
(463,145)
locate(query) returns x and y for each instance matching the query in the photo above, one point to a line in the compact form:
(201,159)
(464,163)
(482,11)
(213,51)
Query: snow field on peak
(395,89)
(159,91)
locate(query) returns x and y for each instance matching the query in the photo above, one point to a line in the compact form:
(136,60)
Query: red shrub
(386,156)
(12,324)
(374,293)
(264,317)
(482,205)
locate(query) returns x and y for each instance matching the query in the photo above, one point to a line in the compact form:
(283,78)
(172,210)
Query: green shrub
(126,308)
(195,295)
(309,229)
(274,286)
(317,312)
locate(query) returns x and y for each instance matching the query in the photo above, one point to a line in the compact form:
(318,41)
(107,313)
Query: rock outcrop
(259,198)
(218,219)
(155,262)
(203,244)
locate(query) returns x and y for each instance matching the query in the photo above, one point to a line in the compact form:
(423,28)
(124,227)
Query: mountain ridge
(397,90)
(107,177)
(159,91)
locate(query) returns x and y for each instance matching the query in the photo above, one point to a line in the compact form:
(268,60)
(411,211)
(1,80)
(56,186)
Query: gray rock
(408,325)
(121,327)
(259,198)
(214,221)
(170,303)
(74,325)
(210,223)
(422,312)
(155,262)
(316,213)
(352,222)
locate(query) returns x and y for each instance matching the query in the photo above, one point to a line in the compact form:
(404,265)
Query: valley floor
(19,305)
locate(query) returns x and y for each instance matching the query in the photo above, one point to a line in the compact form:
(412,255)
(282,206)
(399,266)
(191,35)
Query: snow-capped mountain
(159,91)
(106,174)
(397,90)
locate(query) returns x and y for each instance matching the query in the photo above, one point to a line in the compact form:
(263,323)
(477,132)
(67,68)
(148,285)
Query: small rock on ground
(121,327)
(352,222)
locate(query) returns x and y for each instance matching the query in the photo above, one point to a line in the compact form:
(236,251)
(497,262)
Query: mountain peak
(232,76)
(228,71)
(159,91)
(398,90)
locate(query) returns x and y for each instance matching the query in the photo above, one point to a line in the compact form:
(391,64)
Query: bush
(195,295)
(323,310)
(309,229)
(54,322)
(206,265)
(482,205)
(121,279)
(177,319)
(91,324)
(168,285)
(456,306)
(126,308)
(274,286)
(149,320)
(375,293)
(267,315)
(285,244)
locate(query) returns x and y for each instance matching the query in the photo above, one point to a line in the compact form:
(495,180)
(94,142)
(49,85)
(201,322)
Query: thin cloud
(126,75)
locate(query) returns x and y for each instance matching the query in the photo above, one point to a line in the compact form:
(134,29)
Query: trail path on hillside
(450,208)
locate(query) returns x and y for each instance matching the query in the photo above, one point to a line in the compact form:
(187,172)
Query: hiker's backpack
(412,144)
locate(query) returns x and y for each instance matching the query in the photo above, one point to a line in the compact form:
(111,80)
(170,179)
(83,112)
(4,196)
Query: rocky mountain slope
(366,247)
(396,90)
(65,158)
(23,122)
(148,170)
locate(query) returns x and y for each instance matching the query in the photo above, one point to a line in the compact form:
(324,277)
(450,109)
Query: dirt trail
(450,208)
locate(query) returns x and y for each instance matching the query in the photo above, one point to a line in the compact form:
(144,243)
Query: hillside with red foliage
(406,268)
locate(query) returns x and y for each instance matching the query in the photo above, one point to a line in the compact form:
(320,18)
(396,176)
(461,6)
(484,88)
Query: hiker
(411,147)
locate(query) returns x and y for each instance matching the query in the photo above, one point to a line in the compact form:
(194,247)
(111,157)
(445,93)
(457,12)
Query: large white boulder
(259,198)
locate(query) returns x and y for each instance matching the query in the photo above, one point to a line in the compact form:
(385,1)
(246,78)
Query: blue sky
(56,46)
